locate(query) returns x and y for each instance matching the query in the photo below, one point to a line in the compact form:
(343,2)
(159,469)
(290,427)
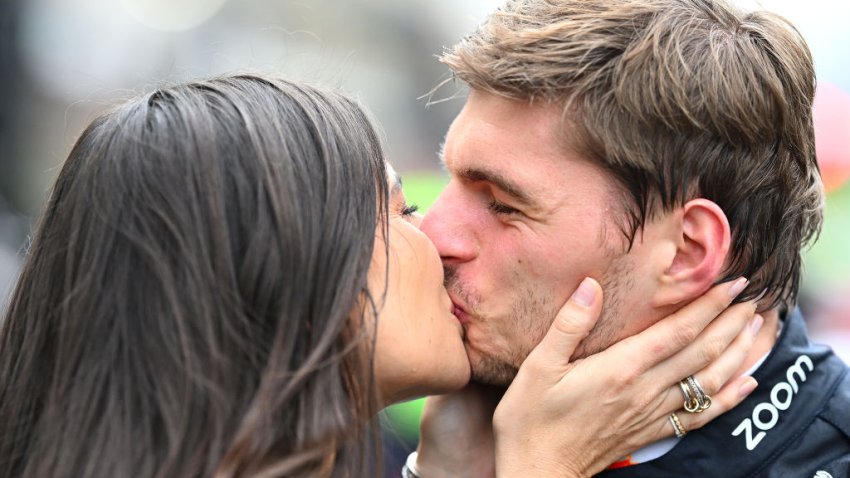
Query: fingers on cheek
(712,348)
(721,370)
(740,313)
(716,376)
(733,320)
(662,340)
(683,336)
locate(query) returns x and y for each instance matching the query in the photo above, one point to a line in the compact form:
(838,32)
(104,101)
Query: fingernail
(585,295)
(755,324)
(738,286)
(748,387)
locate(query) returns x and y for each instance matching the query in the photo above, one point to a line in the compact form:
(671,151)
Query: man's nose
(447,226)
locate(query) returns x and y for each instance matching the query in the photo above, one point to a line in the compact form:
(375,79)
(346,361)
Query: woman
(225,282)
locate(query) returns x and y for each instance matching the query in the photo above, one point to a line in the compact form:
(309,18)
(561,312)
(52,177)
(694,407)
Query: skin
(588,413)
(419,345)
(524,219)
(420,350)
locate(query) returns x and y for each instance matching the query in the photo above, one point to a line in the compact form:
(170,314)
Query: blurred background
(63,61)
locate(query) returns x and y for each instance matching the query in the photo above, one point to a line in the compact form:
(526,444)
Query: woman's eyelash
(409,210)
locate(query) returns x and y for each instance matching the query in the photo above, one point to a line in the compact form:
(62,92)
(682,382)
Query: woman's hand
(573,419)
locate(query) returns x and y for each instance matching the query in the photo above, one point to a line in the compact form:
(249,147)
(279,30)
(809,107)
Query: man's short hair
(677,99)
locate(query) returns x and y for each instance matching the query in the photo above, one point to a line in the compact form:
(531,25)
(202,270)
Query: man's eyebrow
(501,182)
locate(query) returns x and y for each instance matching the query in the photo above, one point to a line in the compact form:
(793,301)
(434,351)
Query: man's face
(521,223)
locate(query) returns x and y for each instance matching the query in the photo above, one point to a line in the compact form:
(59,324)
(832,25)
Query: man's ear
(702,242)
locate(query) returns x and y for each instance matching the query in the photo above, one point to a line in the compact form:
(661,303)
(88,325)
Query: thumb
(572,324)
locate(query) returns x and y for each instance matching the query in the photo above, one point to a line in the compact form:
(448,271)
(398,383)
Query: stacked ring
(696,400)
(677,426)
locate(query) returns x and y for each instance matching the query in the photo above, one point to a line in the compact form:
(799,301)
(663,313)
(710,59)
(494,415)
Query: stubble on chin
(486,369)
(525,322)
(492,371)
(533,304)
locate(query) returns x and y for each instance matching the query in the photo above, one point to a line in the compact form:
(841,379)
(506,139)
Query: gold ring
(696,400)
(702,397)
(677,426)
(691,404)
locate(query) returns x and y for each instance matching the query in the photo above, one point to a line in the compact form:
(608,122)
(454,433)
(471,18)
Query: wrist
(538,470)
(517,462)
(431,464)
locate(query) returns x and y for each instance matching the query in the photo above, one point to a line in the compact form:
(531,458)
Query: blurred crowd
(63,61)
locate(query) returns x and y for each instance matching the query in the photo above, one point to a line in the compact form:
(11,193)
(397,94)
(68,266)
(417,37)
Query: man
(661,146)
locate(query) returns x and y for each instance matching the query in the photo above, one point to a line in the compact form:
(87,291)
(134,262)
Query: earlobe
(701,250)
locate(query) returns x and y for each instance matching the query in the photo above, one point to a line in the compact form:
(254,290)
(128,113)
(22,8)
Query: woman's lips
(460,313)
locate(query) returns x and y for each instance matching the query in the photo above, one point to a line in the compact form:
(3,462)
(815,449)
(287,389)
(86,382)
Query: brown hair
(676,99)
(185,309)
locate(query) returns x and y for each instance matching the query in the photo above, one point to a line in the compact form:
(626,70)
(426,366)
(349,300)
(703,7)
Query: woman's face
(419,348)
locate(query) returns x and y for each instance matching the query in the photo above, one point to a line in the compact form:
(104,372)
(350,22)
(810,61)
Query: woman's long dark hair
(185,308)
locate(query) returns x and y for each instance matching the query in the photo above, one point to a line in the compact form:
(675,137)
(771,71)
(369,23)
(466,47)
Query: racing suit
(795,424)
